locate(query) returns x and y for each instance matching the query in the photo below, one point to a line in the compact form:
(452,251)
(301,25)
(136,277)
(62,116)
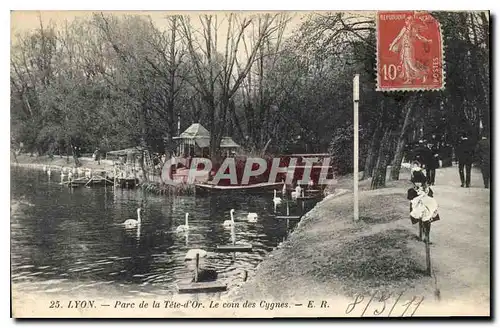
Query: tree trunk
(374,148)
(398,155)
(375,144)
(143,142)
(380,170)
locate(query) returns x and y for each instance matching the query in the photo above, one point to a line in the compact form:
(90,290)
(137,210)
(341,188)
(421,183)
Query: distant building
(195,142)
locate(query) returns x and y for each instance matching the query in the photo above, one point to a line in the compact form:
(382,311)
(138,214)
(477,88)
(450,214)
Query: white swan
(276,200)
(229,223)
(252,217)
(131,223)
(184,227)
(191,254)
(297,192)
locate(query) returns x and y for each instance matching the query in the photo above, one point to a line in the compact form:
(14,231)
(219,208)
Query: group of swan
(191,254)
(251,217)
(298,192)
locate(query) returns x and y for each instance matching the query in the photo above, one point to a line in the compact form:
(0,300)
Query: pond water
(67,240)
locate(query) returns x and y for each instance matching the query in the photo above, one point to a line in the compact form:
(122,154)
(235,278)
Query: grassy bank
(330,255)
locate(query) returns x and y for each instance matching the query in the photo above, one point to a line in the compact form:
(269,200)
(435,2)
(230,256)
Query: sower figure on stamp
(483,153)
(404,43)
(423,206)
(465,155)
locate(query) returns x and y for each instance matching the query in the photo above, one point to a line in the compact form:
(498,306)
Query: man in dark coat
(483,153)
(422,154)
(432,160)
(465,156)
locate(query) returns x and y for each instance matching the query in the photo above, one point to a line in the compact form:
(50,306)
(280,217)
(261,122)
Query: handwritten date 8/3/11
(384,304)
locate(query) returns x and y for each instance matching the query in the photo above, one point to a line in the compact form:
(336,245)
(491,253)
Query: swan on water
(252,217)
(191,254)
(131,223)
(276,200)
(229,223)
(184,227)
(297,192)
(311,185)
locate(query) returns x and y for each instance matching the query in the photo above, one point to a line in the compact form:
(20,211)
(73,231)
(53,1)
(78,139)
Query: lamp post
(356,145)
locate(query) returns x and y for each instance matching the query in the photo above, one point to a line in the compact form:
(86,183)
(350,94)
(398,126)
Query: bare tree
(214,74)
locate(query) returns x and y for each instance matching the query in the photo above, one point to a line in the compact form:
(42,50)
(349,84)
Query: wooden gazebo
(228,146)
(194,142)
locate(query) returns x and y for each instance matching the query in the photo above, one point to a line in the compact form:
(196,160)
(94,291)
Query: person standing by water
(465,156)
(97,156)
(483,153)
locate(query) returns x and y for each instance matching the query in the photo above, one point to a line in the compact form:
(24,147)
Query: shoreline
(57,163)
(329,256)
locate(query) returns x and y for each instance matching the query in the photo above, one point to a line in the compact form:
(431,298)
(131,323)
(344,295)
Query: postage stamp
(409,51)
(246,164)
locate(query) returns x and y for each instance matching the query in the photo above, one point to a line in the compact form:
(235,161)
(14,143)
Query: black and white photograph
(250,164)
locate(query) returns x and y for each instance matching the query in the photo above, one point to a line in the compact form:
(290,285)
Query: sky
(23,21)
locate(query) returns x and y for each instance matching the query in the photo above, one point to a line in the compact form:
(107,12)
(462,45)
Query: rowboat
(257,187)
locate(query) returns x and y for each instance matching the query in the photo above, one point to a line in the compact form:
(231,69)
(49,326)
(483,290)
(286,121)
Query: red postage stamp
(409,51)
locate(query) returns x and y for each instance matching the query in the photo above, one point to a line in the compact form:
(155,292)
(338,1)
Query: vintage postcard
(250,164)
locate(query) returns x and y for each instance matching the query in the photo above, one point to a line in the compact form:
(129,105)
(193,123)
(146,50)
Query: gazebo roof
(228,142)
(195,131)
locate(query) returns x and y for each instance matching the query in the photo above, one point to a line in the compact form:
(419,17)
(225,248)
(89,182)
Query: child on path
(423,206)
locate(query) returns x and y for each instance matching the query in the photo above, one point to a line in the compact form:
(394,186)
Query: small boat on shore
(258,187)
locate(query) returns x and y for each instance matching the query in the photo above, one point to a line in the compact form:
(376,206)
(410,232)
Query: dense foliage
(114,82)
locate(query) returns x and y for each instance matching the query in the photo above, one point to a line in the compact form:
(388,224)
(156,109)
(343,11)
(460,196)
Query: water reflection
(74,237)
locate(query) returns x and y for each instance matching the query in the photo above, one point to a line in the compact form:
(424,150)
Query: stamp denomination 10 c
(409,52)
